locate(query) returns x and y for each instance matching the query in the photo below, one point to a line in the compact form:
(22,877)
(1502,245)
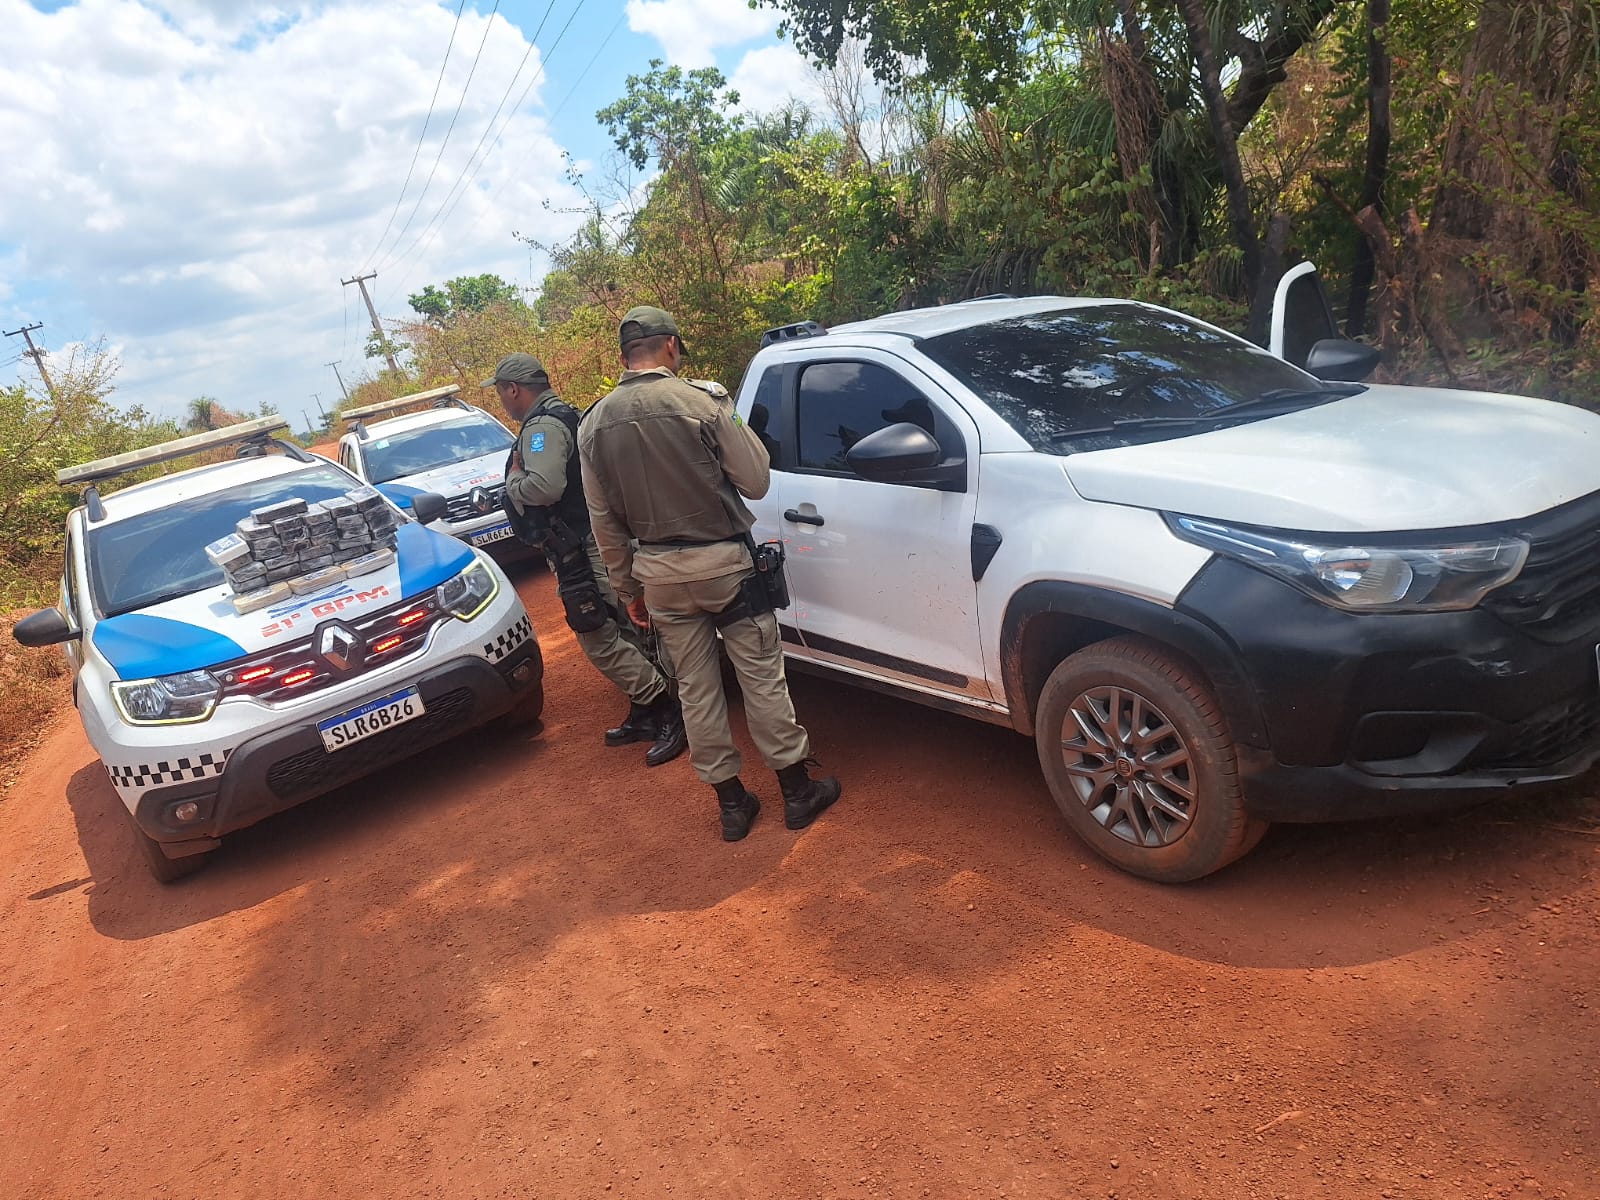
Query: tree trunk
(1227,142)
(1377,172)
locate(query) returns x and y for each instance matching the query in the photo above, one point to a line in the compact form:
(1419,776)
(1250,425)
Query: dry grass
(33,689)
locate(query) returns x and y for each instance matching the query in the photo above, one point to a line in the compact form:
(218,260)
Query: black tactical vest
(572,509)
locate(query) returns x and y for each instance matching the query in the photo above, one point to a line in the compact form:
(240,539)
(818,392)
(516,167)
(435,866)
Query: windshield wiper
(1283,400)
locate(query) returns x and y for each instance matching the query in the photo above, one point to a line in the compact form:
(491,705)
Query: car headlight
(169,699)
(468,594)
(1367,577)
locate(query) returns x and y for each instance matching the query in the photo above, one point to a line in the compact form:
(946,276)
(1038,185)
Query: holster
(764,590)
(586,608)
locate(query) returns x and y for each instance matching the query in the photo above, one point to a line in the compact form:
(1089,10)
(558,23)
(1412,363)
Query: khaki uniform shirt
(666,460)
(543,447)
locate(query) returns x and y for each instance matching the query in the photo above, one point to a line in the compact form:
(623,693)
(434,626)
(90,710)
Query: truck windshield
(161,555)
(397,455)
(1090,377)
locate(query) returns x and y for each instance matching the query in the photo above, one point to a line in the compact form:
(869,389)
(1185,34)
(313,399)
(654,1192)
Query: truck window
(839,403)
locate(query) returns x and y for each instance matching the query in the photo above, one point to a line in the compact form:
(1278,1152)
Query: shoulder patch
(536,442)
(709,386)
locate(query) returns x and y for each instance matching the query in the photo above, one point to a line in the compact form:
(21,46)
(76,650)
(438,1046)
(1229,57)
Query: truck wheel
(166,870)
(1140,762)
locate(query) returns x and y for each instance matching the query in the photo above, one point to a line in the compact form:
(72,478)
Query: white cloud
(691,31)
(768,77)
(198,180)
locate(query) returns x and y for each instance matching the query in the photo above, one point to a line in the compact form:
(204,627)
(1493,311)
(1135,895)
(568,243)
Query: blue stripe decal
(400,493)
(138,646)
(428,558)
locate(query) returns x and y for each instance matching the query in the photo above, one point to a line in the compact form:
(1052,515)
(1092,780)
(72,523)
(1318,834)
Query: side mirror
(1338,360)
(428,507)
(892,451)
(47,627)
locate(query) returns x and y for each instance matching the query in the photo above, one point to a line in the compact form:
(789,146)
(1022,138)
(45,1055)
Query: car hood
(1389,459)
(202,629)
(451,480)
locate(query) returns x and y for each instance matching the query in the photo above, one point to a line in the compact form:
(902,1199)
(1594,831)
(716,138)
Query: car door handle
(800,518)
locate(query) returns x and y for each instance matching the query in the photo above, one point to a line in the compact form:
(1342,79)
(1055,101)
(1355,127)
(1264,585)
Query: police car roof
(155,494)
(421,420)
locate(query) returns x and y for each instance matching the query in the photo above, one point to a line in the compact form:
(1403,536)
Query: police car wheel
(166,870)
(1140,761)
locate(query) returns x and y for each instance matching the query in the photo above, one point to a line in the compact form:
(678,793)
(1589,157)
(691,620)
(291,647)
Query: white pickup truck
(1218,588)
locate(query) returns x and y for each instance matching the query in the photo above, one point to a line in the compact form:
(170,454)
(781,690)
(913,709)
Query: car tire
(166,870)
(1140,762)
(526,712)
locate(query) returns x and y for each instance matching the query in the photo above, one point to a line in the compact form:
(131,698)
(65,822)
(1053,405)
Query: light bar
(121,464)
(372,410)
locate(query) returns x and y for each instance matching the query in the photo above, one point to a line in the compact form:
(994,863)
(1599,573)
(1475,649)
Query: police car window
(69,581)
(766,412)
(396,455)
(161,555)
(839,403)
(1052,373)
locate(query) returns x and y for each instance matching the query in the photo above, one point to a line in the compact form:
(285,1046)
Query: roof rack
(785,333)
(990,296)
(442,397)
(260,430)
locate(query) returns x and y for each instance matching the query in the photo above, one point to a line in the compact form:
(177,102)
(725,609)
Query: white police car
(209,718)
(450,448)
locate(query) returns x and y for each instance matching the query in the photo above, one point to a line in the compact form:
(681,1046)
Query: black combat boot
(804,798)
(739,808)
(638,726)
(671,737)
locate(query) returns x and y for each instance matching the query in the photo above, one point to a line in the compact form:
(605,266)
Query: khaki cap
(517,368)
(646,321)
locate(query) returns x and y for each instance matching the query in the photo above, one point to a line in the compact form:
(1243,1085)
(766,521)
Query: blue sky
(189,180)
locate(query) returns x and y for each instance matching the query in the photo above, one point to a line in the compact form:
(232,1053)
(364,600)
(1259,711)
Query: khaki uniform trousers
(682,612)
(617,652)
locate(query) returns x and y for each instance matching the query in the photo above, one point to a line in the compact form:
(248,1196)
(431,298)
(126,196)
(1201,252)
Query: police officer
(665,463)
(542,481)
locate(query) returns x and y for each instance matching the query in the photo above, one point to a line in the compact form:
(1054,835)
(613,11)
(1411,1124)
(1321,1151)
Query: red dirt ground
(531,969)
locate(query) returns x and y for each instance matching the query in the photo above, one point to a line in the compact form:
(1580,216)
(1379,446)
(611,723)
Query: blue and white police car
(450,448)
(211,709)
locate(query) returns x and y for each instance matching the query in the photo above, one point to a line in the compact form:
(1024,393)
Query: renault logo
(483,501)
(338,646)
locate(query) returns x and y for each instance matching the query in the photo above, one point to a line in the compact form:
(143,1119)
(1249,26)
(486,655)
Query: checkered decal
(181,770)
(508,641)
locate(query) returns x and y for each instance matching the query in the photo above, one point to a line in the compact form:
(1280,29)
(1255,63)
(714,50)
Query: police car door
(881,572)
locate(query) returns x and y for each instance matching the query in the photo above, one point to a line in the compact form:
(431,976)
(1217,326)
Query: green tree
(461,295)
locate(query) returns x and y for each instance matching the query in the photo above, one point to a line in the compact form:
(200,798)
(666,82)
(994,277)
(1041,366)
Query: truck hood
(1389,459)
(202,629)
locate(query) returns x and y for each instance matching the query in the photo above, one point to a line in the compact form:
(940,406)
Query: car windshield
(161,555)
(396,455)
(1086,378)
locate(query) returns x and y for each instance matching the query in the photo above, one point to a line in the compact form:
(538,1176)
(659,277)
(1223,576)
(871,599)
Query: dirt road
(532,970)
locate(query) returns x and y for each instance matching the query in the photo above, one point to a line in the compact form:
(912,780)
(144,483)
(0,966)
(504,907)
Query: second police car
(213,706)
(448,447)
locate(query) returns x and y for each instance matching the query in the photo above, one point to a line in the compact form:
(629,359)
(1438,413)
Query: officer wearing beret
(666,464)
(543,484)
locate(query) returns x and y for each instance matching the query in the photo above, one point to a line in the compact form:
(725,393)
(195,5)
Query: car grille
(1557,595)
(459,508)
(1546,738)
(315,769)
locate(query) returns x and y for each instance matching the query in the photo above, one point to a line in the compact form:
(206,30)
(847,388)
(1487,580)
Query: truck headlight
(1363,576)
(168,699)
(468,594)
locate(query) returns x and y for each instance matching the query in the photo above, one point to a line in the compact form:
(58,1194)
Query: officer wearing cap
(666,464)
(543,485)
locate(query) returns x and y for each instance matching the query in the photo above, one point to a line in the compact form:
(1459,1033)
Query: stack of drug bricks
(294,548)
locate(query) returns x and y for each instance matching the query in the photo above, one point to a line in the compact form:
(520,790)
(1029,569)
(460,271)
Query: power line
(488,25)
(421,137)
(36,354)
(571,91)
(465,178)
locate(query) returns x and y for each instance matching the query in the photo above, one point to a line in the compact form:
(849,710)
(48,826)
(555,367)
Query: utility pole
(311,430)
(36,354)
(340,378)
(317,396)
(361,282)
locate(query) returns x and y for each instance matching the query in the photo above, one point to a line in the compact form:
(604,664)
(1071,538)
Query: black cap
(517,368)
